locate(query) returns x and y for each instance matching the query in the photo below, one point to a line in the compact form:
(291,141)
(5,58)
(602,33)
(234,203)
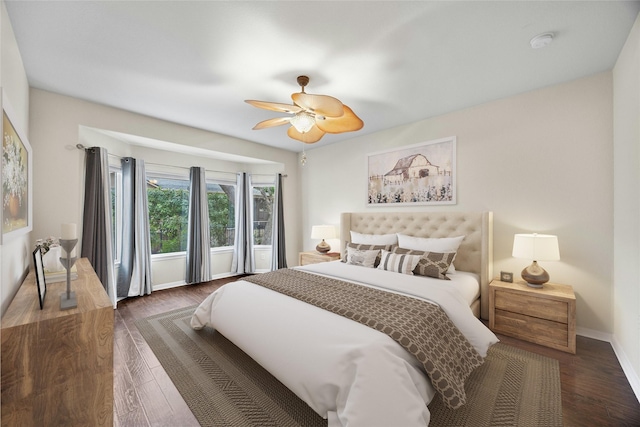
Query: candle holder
(68,298)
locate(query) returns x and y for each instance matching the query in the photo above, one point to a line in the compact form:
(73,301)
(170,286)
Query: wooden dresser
(545,316)
(57,366)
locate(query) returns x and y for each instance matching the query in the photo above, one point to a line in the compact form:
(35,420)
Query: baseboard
(222,276)
(627,367)
(592,333)
(170,285)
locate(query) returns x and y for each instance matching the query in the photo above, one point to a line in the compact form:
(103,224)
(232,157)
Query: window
(263,201)
(168,198)
(221,199)
(115,181)
(168,213)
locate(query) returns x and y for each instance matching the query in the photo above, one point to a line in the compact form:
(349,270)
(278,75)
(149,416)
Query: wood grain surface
(57,365)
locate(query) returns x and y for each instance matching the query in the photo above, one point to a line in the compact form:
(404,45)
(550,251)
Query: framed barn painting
(419,174)
(16,178)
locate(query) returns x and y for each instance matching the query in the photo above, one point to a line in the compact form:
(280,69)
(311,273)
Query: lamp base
(68,301)
(323,247)
(534,275)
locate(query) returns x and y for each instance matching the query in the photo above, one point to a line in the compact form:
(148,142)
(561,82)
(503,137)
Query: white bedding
(468,284)
(346,372)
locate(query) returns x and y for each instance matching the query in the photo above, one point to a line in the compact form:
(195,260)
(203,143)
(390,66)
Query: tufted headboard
(475,253)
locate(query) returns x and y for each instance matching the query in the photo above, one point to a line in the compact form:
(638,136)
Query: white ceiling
(392,62)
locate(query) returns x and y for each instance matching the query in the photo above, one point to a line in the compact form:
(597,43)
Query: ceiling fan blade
(323,105)
(348,122)
(313,135)
(272,122)
(274,106)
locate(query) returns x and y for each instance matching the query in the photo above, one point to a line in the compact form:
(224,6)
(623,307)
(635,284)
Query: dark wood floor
(595,391)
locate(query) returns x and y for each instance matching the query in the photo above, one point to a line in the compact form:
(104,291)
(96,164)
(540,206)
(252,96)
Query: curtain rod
(82,147)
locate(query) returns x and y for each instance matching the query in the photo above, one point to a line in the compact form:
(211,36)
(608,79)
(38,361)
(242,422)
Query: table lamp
(536,247)
(323,232)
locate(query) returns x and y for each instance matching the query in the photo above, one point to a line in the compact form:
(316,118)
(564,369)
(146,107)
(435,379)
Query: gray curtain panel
(134,275)
(97,244)
(198,239)
(243,261)
(278,250)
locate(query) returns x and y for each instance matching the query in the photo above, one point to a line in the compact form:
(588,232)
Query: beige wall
(626,207)
(541,161)
(15,254)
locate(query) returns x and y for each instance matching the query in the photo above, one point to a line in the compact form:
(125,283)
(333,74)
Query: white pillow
(374,239)
(431,244)
(398,263)
(364,258)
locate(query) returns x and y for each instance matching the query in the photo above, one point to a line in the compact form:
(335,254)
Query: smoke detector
(541,40)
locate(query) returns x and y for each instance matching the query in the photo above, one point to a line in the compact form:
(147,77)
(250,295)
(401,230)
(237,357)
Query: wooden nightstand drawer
(531,329)
(545,316)
(536,307)
(313,257)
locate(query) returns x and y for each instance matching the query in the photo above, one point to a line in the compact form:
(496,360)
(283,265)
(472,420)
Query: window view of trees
(263,199)
(168,200)
(222,214)
(168,214)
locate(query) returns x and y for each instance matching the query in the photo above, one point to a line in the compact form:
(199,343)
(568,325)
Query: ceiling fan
(312,115)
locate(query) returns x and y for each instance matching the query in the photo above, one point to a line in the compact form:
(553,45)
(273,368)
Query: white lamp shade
(536,247)
(323,232)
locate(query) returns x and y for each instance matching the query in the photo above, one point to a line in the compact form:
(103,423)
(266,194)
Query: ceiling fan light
(303,121)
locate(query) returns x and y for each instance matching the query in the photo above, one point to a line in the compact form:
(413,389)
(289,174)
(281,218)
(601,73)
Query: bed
(475,254)
(347,372)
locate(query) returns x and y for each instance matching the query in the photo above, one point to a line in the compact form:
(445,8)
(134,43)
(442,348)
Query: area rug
(224,387)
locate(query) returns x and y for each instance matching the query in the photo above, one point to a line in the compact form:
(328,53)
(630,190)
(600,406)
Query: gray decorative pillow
(366,247)
(362,257)
(431,264)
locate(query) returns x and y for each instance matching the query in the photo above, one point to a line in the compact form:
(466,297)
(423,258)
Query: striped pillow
(432,264)
(399,263)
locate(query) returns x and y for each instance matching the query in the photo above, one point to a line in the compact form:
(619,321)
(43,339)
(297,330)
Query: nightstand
(545,316)
(314,257)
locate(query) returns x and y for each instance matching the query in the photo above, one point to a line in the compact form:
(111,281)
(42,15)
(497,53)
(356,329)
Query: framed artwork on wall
(419,174)
(17,176)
